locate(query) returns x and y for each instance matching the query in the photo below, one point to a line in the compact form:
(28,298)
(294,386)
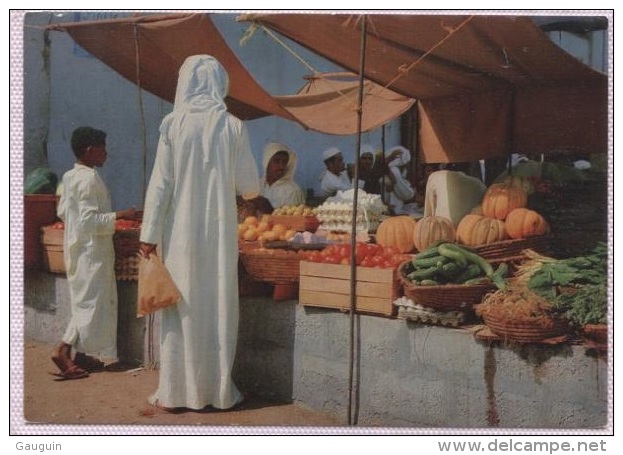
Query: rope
(404,70)
(288,48)
(318,75)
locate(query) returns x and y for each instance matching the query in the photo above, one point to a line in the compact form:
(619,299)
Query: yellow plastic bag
(156,288)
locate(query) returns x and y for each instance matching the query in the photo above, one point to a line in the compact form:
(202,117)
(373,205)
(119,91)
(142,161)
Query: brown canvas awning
(159,44)
(328,103)
(486,85)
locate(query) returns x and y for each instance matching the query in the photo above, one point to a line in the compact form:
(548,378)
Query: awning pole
(150,320)
(352,386)
(142,114)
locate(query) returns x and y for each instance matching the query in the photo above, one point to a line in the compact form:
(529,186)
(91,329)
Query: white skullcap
(329,153)
(405,155)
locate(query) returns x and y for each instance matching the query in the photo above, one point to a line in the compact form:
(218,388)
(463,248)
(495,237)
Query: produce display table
(125,240)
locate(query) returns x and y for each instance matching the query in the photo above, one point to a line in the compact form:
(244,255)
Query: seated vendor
(335,178)
(398,193)
(278,185)
(372,167)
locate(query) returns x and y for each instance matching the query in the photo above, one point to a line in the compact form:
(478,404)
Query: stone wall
(405,374)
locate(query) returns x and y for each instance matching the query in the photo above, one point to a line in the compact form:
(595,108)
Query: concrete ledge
(412,375)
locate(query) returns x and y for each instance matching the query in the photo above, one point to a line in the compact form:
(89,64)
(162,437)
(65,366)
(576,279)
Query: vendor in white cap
(398,192)
(335,177)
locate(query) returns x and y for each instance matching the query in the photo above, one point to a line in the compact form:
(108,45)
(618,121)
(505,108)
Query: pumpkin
(477,210)
(522,223)
(475,230)
(397,232)
(432,229)
(500,199)
(518,182)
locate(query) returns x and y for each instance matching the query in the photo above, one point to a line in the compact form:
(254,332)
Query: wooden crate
(328,286)
(52,246)
(53,258)
(299,223)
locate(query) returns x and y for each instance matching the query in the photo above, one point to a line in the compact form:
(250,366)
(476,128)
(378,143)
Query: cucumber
(502,270)
(450,270)
(498,277)
(423,263)
(428,253)
(478,280)
(446,249)
(472,271)
(423,274)
(471,257)
(428,282)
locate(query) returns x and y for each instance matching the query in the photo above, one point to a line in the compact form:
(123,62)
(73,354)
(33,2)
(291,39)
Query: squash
(522,223)
(477,210)
(433,229)
(476,230)
(500,199)
(397,232)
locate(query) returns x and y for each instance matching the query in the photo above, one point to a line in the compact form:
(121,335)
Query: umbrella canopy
(486,85)
(149,50)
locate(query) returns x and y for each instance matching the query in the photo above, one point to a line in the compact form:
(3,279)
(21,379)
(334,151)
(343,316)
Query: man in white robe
(88,250)
(278,185)
(335,178)
(203,160)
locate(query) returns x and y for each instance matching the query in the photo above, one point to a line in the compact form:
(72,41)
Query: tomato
(345,261)
(332,259)
(361,251)
(367,262)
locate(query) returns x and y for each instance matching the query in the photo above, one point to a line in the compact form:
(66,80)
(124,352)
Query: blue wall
(76,89)
(64,88)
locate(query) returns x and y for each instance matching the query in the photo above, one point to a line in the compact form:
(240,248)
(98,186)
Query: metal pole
(352,417)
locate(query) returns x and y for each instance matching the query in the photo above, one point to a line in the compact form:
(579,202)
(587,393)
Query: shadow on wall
(265,354)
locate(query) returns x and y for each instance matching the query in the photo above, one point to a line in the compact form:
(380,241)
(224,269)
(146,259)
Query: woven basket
(127,242)
(296,222)
(508,250)
(127,246)
(446,297)
(596,332)
(272,266)
(533,331)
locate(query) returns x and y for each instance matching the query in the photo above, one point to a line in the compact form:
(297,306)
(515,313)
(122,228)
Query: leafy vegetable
(584,280)
(589,305)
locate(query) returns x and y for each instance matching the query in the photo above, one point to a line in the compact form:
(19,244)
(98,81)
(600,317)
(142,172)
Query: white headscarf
(203,83)
(405,156)
(202,87)
(367,149)
(270,150)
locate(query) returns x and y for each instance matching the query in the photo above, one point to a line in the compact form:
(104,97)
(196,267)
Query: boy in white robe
(86,209)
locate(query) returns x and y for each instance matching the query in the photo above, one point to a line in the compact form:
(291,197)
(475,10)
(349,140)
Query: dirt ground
(118,396)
